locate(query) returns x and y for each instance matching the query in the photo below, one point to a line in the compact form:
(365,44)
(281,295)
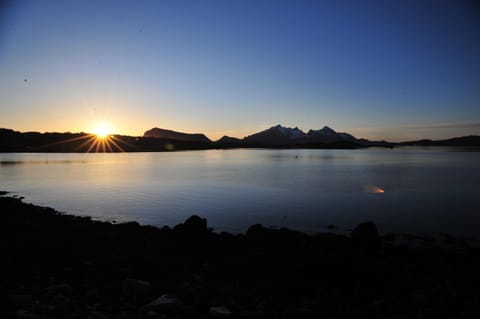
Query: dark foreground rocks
(62,266)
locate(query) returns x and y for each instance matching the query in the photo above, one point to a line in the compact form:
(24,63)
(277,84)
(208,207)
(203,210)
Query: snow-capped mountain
(280,135)
(292,133)
(276,135)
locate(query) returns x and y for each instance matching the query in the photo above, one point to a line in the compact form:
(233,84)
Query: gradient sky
(394,70)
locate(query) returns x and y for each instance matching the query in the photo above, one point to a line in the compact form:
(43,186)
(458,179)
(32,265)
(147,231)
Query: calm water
(425,190)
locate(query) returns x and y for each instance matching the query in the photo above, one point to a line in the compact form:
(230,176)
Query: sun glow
(101,139)
(102,131)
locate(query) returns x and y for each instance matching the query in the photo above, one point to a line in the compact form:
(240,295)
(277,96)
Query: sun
(100,139)
(102,131)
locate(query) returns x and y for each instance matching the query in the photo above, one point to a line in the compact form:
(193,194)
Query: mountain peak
(287,130)
(327,129)
(323,131)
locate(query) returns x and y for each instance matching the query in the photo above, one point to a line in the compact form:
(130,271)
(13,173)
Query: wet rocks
(137,290)
(59,266)
(164,303)
(366,236)
(219,312)
(63,288)
(24,314)
(282,238)
(193,226)
(299,313)
(20,300)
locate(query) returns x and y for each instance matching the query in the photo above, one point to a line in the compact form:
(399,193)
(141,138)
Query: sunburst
(100,141)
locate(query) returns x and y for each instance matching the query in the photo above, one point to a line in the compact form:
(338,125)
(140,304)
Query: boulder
(24,314)
(60,300)
(153,315)
(299,313)
(366,236)
(64,289)
(20,299)
(281,239)
(219,312)
(135,289)
(163,303)
(194,225)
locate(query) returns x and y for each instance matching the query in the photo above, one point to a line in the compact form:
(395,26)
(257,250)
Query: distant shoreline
(34,142)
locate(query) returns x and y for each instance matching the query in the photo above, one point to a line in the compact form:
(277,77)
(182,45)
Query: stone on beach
(219,312)
(163,303)
(194,225)
(136,289)
(366,236)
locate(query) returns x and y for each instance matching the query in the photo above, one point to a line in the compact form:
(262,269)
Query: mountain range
(275,136)
(157,140)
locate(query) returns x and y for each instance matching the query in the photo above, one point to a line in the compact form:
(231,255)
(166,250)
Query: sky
(394,70)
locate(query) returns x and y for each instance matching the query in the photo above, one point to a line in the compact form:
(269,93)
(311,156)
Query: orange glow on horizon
(102,130)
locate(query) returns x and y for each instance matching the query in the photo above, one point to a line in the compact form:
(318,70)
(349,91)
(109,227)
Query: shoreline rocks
(58,266)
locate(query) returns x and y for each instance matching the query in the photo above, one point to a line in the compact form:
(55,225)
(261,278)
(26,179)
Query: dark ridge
(228,142)
(166,140)
(471,140)
(173,135)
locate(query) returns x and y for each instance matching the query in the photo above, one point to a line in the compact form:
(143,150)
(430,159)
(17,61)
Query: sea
(424,191)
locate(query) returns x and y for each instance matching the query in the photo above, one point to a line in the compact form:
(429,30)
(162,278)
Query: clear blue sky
(378,69)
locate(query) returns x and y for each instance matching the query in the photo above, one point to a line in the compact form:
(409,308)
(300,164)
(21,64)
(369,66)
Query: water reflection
(418,190)
(43,162)
(372,189)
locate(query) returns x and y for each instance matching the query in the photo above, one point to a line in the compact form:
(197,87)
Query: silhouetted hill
(173,135)
(328,135)
(167,140)
(13,141)
(471,140)
(229,142)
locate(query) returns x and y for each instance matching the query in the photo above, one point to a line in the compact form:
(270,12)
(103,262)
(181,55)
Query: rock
(299,313)
(24,314)
(135,289)
(98,315)
(279,239)
(65,289)
(163,303)
(153,315)
(92,294)
(60,300)
(427,313)
(250,314)
(195,224)
(366,236)
(331,226)
(257,232)
(20,299)
(219,312)
(470,313)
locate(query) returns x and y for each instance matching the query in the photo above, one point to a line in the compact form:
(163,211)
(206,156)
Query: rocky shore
(62,266)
